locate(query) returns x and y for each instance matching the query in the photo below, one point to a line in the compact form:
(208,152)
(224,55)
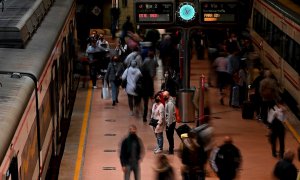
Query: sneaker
(158,151)
(99,76)
(94,87)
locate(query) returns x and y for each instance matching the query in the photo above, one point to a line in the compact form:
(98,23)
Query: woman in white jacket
(158,113)
(132,75)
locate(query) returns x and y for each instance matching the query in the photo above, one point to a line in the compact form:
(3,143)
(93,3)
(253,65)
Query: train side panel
(276,37)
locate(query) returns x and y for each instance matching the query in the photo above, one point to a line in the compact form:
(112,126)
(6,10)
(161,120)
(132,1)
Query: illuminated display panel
(218,12)
(154,12)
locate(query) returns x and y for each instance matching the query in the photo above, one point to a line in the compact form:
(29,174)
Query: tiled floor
(107,125)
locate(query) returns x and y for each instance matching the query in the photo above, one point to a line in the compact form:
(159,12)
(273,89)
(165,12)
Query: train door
(54,93)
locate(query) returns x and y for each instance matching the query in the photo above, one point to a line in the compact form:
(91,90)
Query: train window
(292,53)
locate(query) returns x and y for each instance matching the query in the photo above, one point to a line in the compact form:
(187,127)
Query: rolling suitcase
(235,96)
(248,107)
(248,110)
(182,129)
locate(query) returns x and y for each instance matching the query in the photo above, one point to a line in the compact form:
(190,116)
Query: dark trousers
(146,101)
(275,134)
(170,136)
(133,101)
(93,73)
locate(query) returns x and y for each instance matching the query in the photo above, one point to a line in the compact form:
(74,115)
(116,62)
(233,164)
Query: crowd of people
(132,64)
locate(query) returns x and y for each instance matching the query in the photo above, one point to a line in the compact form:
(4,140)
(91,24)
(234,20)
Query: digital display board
(218,12)
(154,12)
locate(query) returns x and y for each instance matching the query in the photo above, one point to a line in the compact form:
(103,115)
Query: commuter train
(37,51)
(275,30)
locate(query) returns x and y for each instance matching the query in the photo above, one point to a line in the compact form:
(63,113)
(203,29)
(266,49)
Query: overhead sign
(154,12)
(212,12)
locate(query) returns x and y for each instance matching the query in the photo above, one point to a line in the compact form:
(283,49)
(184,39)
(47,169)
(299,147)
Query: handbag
(105,91)
(153,122)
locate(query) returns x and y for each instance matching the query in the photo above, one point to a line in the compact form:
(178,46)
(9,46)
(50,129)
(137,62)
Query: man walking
(226,160)
(132,152)
(170,119)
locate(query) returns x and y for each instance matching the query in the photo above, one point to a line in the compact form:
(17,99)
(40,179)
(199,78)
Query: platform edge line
(83,135)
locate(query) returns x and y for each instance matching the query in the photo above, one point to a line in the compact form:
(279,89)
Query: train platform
(97,128)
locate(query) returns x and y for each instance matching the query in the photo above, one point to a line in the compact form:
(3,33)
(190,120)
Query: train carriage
(36,73)
(275,30)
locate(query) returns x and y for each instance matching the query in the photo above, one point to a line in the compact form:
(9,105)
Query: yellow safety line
(293,130)
(83,134)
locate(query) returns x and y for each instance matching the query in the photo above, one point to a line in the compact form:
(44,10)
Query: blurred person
(132,75)
(150,63)
(102,43)
(276,117)
(158,113)
(91,51)
(163,169)
(127,26)
(115,15)
(242,82)
(226,160)
(284,168)
(221,64)
(113,76)
(170,119)
(132,152)
(134,56)
(269,91)
(121,50)
(257,99)
(148,85)
(192,157)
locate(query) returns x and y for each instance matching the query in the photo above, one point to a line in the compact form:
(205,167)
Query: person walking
(164,170)
(127,26)
(192,157)
(131,154)
(269,91)
(148,71)
(220,64)
(226,160)
(284,168)
(276,116)
(158,113)
(132,75)
(113,76)
(91,51)
(170,119)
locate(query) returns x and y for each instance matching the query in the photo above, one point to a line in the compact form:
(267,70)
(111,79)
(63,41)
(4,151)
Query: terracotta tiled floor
(107,125)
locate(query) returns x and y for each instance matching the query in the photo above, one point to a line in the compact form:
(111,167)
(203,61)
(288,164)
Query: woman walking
(132,75)
(113,76)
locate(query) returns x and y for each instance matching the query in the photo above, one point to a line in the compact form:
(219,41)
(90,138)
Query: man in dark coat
(132,152)
(226,160)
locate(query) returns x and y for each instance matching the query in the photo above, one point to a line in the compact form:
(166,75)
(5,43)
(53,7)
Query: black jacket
(131,150)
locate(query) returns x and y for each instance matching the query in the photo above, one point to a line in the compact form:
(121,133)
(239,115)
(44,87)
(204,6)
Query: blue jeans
(136,171)
(114,90)
(160,140)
